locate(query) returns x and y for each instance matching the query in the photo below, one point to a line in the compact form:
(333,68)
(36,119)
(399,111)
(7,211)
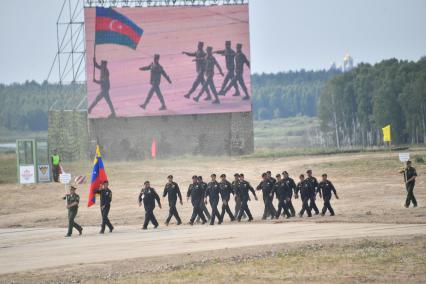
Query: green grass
(10,136)
(8,168)
(284,133)
(343,262)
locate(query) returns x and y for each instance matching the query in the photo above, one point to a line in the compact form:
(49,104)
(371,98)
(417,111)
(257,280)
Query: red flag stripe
(113,25)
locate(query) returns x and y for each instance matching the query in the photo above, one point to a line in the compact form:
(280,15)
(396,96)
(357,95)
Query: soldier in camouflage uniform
(73,200)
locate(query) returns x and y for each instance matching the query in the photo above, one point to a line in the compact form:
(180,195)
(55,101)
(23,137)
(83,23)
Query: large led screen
(167,60)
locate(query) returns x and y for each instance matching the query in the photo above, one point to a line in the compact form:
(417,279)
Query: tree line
(354,106)
(25,106)
(288,94)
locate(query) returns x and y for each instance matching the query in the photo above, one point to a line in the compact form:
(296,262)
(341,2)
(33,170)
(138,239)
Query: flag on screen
(98,176)
(387,133)
(115,28)
(154,148)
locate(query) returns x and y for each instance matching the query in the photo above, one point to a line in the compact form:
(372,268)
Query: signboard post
(404,157)
(65,179)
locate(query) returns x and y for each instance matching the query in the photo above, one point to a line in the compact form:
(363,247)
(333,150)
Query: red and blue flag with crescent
(98,177)
(115,28)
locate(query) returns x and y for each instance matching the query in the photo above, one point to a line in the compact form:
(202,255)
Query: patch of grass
(355,261)
(419,160)
(8,168)
(10,136)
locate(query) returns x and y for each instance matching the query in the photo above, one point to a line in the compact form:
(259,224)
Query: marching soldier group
(283,188)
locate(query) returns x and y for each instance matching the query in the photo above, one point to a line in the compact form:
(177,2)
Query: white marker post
(404,157)
(65,179)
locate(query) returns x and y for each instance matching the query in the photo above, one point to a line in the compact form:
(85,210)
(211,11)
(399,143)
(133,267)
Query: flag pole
(94,56)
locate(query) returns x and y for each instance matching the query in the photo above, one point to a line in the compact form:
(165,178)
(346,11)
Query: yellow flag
(387,133)
(98,154)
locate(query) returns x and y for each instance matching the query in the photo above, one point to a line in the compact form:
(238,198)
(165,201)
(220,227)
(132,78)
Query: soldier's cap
(73,187)
(213,175)
(309,171)
(236,175)
(285,173)
(268,172)
(324,175)
(194,177)
(146,182)
(223,176)
(264,175)
(169,176)
(278,175)
(241,175)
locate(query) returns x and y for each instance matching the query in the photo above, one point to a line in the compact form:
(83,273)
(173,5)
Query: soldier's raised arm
(220,52)
(192,54)
(146,68)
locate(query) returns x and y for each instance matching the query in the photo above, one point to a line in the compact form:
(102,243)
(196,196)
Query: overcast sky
(285,34)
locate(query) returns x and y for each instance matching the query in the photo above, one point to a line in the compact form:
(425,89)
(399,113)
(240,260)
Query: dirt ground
(370,190)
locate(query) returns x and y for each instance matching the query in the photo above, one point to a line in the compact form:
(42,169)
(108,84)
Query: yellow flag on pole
(387,133)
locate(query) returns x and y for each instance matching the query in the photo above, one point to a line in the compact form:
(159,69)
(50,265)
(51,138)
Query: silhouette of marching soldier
(156,72)
(105,85)
(229,54)
(240,61)
(200,65)
(211,63)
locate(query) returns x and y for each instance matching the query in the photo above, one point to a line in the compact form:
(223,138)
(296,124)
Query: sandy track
(28,249)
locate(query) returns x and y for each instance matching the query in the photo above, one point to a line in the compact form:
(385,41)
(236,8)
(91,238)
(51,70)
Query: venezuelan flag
(98,177)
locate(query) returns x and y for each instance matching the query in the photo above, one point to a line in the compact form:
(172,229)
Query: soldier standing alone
(73,200)
(410,176)
(56,160)
(148,196)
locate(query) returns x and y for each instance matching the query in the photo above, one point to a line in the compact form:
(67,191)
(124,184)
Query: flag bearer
(106,198)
